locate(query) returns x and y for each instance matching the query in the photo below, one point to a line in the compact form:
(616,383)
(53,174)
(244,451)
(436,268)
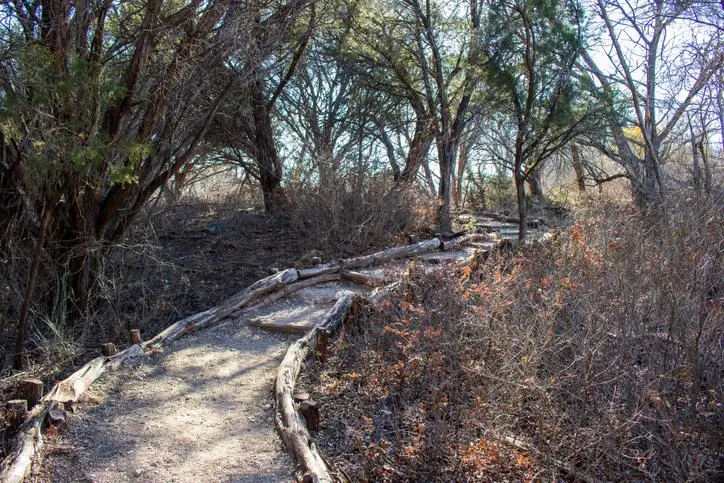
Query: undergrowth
(596,355)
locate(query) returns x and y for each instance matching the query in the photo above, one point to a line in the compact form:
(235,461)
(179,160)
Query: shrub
(350,213)
(598,354)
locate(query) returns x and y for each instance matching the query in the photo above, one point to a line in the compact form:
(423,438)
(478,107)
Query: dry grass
(601,352)
(351,214)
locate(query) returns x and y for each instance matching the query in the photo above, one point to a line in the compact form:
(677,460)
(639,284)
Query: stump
(57,417)
(109,349)
(322,342)
(32,391)
(310,410)
(15,411)
(135,336)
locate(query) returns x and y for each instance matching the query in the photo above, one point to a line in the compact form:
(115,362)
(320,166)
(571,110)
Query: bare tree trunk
(522,206)
(446,154)
(462,163)
(533,179)
(265,152)
(578,167)
(419,148)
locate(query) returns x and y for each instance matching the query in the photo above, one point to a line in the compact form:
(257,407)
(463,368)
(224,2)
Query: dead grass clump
(596,356)
(350,214)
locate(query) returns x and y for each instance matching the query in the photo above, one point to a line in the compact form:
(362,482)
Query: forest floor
(200,409)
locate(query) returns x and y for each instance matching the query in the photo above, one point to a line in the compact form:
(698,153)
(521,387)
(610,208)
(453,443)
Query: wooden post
(57,417)
(310,410)
(322,341)
(135,336)
(32,391)
(15,411)
(109,349)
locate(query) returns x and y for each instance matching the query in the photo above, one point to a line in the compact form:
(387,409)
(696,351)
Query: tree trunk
(462,163)
(533,179)
(417,155)
(265,151)
(446,154)
(522,206)
(578,167)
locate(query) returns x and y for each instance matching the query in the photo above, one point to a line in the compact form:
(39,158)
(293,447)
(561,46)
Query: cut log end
(135,336)
(310,410)
(15,411)
(322,342)
(109,349)
(32,391)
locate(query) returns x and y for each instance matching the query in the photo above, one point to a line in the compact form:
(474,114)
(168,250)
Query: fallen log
(291,424)
(318,270)
(294,287)
(391,254)
(455,243)
(30,438)
(70,389)
(367,280)
(231,305)
(27,444)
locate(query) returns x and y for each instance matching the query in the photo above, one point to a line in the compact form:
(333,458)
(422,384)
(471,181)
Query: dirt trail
(199,411)
(202,409)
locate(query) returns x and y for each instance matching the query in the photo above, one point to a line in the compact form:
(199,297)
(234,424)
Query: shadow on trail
(199,411)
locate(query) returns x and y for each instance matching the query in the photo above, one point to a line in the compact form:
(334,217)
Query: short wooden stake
(135,336)
(57,417)
(15,411)
(32,391)
(322,342)
(310,410)
(109,349)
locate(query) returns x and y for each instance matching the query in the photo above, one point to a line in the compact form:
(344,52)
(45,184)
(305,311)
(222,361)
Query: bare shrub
(600,353)
(351,213)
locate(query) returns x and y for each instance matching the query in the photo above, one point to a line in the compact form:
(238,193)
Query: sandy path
(200,411)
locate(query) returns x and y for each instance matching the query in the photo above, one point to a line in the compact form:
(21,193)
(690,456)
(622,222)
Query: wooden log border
(29,440)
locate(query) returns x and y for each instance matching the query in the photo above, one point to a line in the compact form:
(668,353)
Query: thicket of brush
(598,354)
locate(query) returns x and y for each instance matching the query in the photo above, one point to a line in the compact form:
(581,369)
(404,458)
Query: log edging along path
(29,440)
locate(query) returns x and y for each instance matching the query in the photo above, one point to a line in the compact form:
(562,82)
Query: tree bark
(265,151)
(577,163)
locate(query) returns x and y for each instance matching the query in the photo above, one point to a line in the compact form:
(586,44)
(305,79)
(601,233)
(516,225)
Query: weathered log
(293,287)
(27,444)
(134,335)
(71,388)
(231,305)
(462,240)
(109,349)
(391,254)
(292,427)
(367,280)
(31,390)
(319,270)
